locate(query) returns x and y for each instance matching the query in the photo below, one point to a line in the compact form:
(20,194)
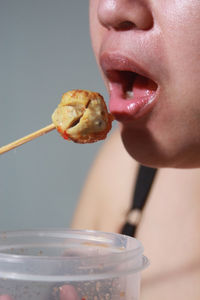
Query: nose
(125,14)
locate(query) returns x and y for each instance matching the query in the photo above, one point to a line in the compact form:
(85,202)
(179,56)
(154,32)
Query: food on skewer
(82,117)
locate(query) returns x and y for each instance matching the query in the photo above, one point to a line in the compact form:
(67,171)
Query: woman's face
(149,54)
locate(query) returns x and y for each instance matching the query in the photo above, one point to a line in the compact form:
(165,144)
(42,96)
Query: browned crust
(86,97)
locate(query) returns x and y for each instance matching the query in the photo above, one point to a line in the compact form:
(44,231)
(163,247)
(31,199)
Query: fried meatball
(82,117)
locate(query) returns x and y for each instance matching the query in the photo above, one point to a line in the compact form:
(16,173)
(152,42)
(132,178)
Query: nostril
(132,14)
(126,25)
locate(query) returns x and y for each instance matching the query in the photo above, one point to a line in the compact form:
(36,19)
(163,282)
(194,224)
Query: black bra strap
(143,185)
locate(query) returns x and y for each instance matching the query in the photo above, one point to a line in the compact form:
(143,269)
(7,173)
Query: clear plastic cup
(70,265)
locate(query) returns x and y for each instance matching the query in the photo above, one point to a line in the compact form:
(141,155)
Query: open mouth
(132,85)
(131,95)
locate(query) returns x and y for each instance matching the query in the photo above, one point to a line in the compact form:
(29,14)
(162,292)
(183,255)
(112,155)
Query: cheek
(181,35)
(181,44)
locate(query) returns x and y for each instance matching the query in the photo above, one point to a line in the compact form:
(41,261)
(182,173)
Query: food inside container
(70,265)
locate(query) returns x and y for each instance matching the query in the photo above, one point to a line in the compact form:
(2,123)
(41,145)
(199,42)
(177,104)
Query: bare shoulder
(106,195)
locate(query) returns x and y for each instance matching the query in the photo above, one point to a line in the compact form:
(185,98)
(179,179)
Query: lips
(133,92)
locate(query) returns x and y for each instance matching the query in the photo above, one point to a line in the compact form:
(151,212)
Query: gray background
(44,51)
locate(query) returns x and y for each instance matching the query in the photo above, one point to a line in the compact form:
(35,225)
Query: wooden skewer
(27,138)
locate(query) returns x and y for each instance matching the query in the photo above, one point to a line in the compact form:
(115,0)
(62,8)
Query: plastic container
(62,264)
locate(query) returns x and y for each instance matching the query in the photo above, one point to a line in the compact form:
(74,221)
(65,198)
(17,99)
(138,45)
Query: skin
(168,230)
(164,36)
(168,47)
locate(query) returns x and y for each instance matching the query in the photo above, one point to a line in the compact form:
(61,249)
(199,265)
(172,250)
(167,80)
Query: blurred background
(44,51)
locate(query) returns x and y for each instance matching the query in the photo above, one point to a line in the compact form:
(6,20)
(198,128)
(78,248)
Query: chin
(144,148)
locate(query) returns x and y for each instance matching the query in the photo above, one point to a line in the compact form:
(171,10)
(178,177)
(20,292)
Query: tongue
(143,86)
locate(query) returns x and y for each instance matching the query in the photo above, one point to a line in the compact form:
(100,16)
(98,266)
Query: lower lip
(125,109)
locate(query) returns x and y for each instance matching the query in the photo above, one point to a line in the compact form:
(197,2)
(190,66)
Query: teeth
(129,94)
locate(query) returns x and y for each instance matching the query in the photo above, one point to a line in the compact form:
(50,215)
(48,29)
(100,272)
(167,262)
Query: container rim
(108,260)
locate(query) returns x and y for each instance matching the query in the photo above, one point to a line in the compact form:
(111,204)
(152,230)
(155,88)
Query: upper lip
(112,62)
